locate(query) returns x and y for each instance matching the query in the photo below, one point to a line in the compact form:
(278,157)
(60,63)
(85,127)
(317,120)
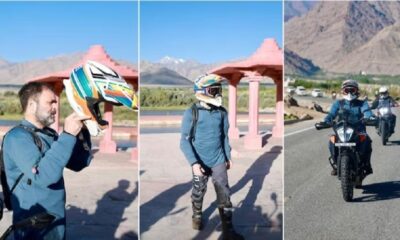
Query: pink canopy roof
(266,61)
(96,53)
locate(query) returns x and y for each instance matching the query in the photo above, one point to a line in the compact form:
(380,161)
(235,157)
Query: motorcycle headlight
(384,110)
(345,136)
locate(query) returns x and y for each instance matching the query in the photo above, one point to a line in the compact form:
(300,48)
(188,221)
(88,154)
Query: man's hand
(73,123)
(229,164)
(198,170)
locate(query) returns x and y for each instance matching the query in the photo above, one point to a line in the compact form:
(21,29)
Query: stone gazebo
(96,53)
(267,61)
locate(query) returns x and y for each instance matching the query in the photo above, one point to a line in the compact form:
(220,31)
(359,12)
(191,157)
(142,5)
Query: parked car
(317,93)
(290,90)
(301,91)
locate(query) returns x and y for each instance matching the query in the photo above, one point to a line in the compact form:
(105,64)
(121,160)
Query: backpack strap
(195,116)
(6,190)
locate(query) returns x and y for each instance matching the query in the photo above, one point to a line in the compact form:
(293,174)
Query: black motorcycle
(384,128)
(350,167)
(38,221)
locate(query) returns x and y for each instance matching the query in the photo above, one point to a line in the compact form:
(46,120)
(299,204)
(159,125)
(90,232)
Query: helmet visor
(214,90)
(349,90)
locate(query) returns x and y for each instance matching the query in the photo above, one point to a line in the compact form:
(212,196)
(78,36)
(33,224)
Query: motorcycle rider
(385,100)
(357,109)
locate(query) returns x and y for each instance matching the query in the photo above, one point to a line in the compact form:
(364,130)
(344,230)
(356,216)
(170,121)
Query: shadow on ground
(248,217)
(109,212)
(380,191)
(265,138)
(393,143)
(161,205)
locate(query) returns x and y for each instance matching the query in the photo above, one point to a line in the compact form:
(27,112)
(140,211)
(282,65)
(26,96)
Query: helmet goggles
(213,90)
(350,90)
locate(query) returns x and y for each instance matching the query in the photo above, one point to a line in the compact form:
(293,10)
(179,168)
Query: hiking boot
(228,233)
(196,222)
(334,172)
(368,170)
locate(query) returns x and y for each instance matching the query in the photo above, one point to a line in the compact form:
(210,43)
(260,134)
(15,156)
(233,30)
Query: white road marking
(299,131)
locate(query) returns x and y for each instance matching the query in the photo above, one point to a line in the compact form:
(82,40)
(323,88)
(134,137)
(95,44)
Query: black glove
(322,125)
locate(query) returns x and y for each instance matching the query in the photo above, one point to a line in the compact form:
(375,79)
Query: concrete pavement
(165,185)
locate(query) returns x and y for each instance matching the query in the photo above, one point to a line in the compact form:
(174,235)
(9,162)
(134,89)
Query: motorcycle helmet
(208,89)
(350,89)
(93,83)
(383,92)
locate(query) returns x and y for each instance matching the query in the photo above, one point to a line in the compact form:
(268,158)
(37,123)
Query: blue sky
(37,30)
(207,31)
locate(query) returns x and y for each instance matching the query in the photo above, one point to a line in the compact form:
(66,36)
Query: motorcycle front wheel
(346,179)
(384,130)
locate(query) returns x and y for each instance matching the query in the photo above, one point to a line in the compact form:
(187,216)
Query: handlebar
(370,121)
(367,121)
(322,125)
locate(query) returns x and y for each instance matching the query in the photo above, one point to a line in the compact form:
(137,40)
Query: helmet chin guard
(92,84)
(215,101)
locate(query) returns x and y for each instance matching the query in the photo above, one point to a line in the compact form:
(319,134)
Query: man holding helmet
(357,110)
(205,144)
(35,156)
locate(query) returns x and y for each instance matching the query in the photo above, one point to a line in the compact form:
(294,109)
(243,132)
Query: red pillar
(233,129)
(107,145)
(253,140)
(277,130)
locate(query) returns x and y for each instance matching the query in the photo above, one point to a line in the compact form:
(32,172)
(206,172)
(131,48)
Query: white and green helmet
(93,83)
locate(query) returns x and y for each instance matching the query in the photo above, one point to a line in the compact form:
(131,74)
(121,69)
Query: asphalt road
(314,207)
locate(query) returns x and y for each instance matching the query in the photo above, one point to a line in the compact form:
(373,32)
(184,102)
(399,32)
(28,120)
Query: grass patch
(180,98)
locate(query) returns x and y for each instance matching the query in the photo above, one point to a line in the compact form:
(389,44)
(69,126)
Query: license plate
(345,144)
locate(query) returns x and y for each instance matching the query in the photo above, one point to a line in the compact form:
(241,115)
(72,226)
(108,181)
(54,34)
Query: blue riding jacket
(42,185)
(356,109)
(211,144)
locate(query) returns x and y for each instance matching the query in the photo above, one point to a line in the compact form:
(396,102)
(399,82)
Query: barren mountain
(297,8)
(3,62)
(294,64)
(348,37)
(189,69)
(19,73)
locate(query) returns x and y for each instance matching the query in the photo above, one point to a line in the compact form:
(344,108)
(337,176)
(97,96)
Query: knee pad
(223,195)
(199,188)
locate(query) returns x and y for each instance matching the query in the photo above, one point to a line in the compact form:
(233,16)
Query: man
(357,109)
(205,144)
(385,100)
(41,186)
